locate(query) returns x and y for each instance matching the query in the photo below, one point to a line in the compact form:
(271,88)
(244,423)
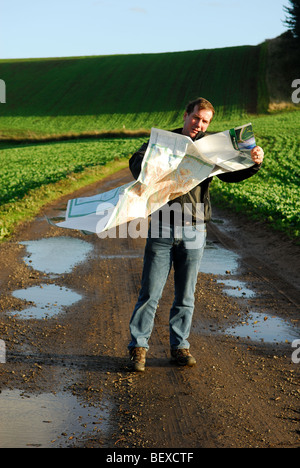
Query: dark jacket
(200,193)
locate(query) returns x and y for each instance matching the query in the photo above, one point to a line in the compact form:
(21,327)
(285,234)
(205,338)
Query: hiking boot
(183,357)
(138,359)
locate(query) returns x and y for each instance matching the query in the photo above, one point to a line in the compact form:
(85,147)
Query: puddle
(235,288)
(57,255)
(217,260)
(257,326)
(48,300)
(267,328)
(48,420)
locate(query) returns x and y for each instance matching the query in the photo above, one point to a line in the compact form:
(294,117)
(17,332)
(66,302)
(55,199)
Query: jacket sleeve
(239,176)
(135,162)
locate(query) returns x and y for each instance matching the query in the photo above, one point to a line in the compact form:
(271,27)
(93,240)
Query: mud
(65,304)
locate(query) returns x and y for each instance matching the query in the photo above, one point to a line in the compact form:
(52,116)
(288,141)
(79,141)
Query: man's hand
(257,155)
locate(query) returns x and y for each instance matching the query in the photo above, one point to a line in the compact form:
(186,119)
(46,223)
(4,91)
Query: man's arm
(135,162)
(239,176)
(257,155)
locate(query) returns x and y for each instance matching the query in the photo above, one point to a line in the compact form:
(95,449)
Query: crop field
(55,96)
(70,98)
(29,167)
(273,194)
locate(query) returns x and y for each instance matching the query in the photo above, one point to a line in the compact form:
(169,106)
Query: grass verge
(13,214)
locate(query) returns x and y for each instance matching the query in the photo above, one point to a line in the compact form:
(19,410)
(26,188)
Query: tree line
(292,20)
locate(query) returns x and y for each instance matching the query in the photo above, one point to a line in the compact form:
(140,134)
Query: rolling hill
(49,96)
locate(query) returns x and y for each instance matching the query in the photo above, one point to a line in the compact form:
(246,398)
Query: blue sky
(60,28)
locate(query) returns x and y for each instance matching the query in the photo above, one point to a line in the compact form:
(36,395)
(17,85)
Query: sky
(64,28)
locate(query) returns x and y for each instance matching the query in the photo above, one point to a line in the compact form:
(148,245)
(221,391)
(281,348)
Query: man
(163,251)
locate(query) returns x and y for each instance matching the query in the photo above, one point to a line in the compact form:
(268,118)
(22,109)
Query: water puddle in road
(52,256)
(47,300)
(267,328)
(218,261)
(57,255)
(257,326)
(236,288)
(49,420)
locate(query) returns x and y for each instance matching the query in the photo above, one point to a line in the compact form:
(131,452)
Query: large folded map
(172,166)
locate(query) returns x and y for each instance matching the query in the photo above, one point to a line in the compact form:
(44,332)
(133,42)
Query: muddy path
(66,301)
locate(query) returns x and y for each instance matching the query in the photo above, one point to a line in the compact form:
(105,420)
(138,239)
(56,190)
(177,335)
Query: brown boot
(183,357)
(138,359)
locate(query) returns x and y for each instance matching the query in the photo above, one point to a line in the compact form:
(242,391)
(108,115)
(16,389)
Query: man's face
(197,121)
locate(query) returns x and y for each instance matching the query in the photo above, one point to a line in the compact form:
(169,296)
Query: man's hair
(201,103)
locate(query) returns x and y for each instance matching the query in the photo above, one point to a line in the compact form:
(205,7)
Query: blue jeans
(183,248)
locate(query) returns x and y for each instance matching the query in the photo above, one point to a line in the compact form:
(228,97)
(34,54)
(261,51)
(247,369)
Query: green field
(136,91)
(59,99)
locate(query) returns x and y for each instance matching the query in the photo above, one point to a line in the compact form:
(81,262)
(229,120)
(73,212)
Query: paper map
(172,166)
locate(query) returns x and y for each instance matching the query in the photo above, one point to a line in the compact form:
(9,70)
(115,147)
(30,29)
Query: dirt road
(65,328)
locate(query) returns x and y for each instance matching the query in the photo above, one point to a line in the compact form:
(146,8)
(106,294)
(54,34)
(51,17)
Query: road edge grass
(15,214)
